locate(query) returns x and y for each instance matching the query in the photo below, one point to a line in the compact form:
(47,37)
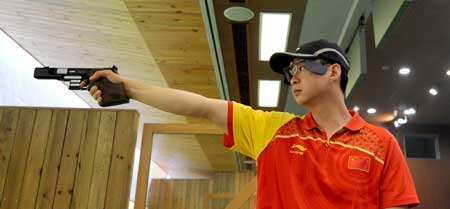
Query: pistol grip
(112,93)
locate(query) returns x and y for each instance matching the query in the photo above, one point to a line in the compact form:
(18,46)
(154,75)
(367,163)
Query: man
(329,158)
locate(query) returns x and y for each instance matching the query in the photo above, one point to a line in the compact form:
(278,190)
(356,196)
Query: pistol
(112,93)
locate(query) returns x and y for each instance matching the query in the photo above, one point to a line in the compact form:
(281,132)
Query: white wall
(18,87)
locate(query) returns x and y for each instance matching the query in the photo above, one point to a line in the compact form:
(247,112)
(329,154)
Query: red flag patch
(359,163)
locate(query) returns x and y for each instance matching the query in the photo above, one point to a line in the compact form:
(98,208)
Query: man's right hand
(108,74)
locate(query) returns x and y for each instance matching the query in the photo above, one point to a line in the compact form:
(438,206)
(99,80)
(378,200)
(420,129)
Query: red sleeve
(228,138)
(396,187)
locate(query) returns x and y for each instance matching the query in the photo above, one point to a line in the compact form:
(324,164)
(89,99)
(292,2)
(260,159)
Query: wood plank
(50,169)
(170,19)
(86,162)
(119,180)
(19,156)
(102,160)
(144,167)
(8,125)
(243,196)
(75,132)
(35,159)
(178,193)
(162,6)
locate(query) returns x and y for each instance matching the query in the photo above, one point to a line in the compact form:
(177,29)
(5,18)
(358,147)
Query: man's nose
(294,80)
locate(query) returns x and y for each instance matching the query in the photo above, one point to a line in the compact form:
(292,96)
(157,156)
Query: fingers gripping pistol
(112,93)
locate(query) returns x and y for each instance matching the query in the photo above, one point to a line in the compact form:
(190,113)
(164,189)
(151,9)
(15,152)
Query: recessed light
(433,91)
(404,71)
(410,111)
(371,110)
(396,124)
(448,72)
(356,108)
(239,14)
(402,121)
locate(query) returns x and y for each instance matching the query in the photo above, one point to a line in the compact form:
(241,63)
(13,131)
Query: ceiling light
(273,33)
(448,72)
(433,91)
(268,93)
(396,124)
(402,121)
(410,111)
(404,71)
(239,14)
(356,108)
(371,110)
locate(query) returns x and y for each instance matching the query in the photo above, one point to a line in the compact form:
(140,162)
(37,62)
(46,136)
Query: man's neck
(330,114)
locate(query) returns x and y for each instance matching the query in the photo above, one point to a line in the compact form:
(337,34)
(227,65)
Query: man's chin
(300,101)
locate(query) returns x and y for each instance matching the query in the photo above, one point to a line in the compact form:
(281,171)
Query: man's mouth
(297,92)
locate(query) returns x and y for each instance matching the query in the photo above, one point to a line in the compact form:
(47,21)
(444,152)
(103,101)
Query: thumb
(97,75)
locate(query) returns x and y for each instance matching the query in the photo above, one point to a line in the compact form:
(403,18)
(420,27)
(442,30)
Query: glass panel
(195,171)
(422,146)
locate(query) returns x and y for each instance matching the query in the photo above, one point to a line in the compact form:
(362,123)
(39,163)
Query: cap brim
(280,60)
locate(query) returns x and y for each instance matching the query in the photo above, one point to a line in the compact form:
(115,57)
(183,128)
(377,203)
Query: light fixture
(273,33)
(371,110)
(396,124)
(433,91)
(356,108)
(404,71)
(268,93)
(409,111)
(448,72)
(238,14)
(402,121)
(168,176)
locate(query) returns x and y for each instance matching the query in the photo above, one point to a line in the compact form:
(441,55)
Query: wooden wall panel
(86,162)
(50,169)
(35,159)
(8,124)
(19,155)
(121,162)
(63,158)
(178,193)
(75,132)
(102,160)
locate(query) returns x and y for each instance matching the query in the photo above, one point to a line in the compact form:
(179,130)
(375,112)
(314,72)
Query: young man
(329,158)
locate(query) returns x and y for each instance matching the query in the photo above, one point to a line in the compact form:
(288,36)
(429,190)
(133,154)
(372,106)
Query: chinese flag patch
(359,163)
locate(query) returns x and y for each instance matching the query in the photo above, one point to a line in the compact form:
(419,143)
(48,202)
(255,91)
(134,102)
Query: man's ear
(335,71)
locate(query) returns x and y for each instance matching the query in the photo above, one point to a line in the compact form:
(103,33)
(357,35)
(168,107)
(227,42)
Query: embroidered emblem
(297,149)
(359,163)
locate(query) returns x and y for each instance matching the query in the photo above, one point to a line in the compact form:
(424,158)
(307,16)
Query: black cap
(319,49)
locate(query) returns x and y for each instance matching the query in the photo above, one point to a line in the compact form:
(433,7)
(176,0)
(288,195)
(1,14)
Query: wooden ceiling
(175,34)
(158,42)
